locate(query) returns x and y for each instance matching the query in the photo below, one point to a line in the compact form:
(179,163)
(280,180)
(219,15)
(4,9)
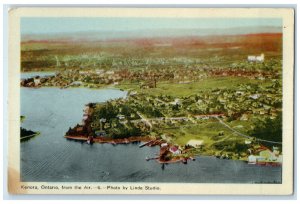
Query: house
(164,144)
(174,150)
(260,58)
(100,133)
(267,155)
(276,151)
(251,159)
(37,81)
(279,159)
(77,83)
(176,102)
(132,93)
(195,143)
(254,96)
(121,117)
(248,142)
(110,72)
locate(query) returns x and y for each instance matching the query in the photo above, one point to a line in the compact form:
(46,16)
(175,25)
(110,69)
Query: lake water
(50,157)
(25,75)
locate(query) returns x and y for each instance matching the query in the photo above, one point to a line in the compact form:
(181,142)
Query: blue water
(50,157)
(25,75)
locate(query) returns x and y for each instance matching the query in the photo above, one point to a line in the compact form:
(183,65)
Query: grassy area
(210,131)
(217,139)
(182,90)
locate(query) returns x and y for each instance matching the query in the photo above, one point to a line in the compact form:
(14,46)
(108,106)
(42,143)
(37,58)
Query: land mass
(26,134)
(189,95)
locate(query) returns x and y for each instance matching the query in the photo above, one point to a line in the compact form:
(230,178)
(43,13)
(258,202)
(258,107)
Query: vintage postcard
(151,101)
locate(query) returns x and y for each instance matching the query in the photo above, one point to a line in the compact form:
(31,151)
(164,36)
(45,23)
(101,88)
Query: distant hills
(141,34)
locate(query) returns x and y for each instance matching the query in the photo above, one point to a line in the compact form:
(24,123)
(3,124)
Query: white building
(37,81)
(254,96)
(121,117)
(253,58)
(248,142)
(176,102)
(195,143)
(252,159)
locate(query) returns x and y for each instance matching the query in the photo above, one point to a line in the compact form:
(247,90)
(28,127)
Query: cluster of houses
(96,77)
(241,103)
(33,82)
(265,156)
(169,150)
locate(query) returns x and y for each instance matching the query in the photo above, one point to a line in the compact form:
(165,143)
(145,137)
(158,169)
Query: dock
(151,158)
(108,140)
(143,145)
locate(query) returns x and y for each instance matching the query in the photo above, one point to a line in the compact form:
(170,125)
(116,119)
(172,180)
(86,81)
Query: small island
(26,134)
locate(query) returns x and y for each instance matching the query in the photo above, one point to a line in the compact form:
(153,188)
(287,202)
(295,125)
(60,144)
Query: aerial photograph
(151,99)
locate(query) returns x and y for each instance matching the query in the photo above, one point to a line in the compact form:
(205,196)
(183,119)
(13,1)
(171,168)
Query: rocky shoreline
(27,134)
(165,156)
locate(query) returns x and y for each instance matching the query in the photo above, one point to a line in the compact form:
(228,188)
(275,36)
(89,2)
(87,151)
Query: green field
(182,90)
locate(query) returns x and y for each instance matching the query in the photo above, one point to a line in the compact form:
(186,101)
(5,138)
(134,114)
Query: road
(243,135)
(147,121)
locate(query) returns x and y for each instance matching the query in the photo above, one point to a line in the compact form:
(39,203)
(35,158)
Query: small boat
(90,140)
(184,161)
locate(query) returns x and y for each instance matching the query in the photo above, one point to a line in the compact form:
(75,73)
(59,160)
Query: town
(189,97)
(177,123)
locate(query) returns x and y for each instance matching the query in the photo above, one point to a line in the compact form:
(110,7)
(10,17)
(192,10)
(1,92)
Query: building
(37,81)
(254,96)
(121,117)
(76,83)
(251,159)
(176,102)
(195,143)
(268,155)
(248,141)
(260,58)
(100,133)
(174,150)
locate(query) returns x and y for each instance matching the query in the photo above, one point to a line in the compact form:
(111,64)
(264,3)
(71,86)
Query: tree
(268,129)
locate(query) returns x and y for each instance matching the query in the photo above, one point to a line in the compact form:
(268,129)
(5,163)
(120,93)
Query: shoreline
(109,140)
(29,136)
(150,142)
(129,139)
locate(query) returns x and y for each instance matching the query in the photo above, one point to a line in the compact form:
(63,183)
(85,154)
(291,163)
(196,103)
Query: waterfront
(26,75)
(50,157)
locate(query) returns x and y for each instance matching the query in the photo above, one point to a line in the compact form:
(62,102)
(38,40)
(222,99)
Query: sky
(34,25)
